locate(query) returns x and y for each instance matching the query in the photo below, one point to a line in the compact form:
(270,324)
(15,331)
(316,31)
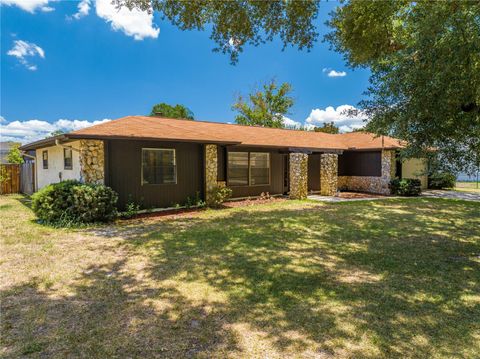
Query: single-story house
(160,162)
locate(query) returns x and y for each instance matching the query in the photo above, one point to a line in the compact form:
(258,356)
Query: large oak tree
(424,57)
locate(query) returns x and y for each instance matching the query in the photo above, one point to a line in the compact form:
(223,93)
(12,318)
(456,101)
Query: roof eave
(115,137)
(46,142)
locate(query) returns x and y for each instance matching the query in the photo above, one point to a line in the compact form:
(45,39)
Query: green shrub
(131,210)
(218,195)
(71,202)
(406,186)
(439,180)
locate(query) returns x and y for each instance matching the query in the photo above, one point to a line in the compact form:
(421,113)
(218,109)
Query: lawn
(381,279)
(467,186)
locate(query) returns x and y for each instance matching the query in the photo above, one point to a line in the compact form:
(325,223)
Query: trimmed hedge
(406,186)
(71,202)
(439,180)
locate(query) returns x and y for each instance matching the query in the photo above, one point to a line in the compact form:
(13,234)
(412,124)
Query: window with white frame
(67,159)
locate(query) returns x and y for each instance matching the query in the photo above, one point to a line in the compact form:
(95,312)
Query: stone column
(211,166)
(92,161)
(328,174)
(298,175)
(388,170)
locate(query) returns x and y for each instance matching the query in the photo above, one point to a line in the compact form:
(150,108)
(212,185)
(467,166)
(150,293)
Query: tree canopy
(177,111)
(424,58)
(266,106)
(327,127)
(237,23)
(14,155)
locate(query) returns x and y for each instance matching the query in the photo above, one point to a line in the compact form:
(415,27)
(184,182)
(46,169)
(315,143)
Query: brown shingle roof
(367,140)
(143,127)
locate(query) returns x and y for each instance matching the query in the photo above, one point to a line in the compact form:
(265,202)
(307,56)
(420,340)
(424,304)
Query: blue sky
(79,67)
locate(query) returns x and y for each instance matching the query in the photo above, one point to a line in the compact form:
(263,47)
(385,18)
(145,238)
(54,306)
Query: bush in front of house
(218,195)
(72,202)
(439,180)
(406,186)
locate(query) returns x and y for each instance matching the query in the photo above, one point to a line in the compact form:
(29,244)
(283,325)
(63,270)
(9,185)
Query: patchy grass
(380,279)
(467,186)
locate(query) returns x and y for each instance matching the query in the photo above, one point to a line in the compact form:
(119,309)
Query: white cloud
(29,5)
(136,23)
(83,9)
(334,73)
(338,116)
(288,122)
(23,49)
(32,130)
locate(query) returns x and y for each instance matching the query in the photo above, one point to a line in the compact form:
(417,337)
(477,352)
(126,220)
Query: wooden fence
(9,178)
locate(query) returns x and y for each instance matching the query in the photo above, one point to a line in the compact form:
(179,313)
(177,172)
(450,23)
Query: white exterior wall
(56,171)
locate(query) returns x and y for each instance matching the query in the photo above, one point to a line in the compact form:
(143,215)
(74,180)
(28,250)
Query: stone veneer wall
(211,166)
(298,175)
(92,161)
(379,185)
(328,174)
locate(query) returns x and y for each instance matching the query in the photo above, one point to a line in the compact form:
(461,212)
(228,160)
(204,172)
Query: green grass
(467,186)
(395,278)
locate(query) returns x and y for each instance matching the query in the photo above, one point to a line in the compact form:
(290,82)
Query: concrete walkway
(438,193)
(466,196)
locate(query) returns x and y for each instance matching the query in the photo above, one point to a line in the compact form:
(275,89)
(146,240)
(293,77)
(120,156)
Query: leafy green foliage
(425,62)
(265,107)
(71,202)
(196,201)
(131,210)
(56,133)
(439,180)
(15,155)
(327,127)
(406,187)
(217,196)
(177,111)
(237,23)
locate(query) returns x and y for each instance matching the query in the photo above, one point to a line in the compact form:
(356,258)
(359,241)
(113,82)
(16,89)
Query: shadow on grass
(370,279)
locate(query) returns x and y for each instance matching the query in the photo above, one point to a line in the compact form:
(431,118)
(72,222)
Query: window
(45,159)
(248,168)
(67,158)
(238,168)
(259,168)
(158,166)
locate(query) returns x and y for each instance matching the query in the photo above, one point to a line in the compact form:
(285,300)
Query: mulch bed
(350,195)
(191,212)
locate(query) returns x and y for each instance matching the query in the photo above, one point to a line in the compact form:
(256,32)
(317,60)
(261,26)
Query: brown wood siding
(314,172)
(360,163)
(221,163)
(276,175)
(124,173)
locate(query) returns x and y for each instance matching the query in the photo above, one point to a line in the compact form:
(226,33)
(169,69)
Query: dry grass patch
(389,278)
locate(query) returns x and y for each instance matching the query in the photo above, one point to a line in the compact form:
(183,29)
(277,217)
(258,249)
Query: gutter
(57,143)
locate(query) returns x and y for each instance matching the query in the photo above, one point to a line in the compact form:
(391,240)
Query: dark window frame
(45,161)
(249,176)
(143,183)
(69,166)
